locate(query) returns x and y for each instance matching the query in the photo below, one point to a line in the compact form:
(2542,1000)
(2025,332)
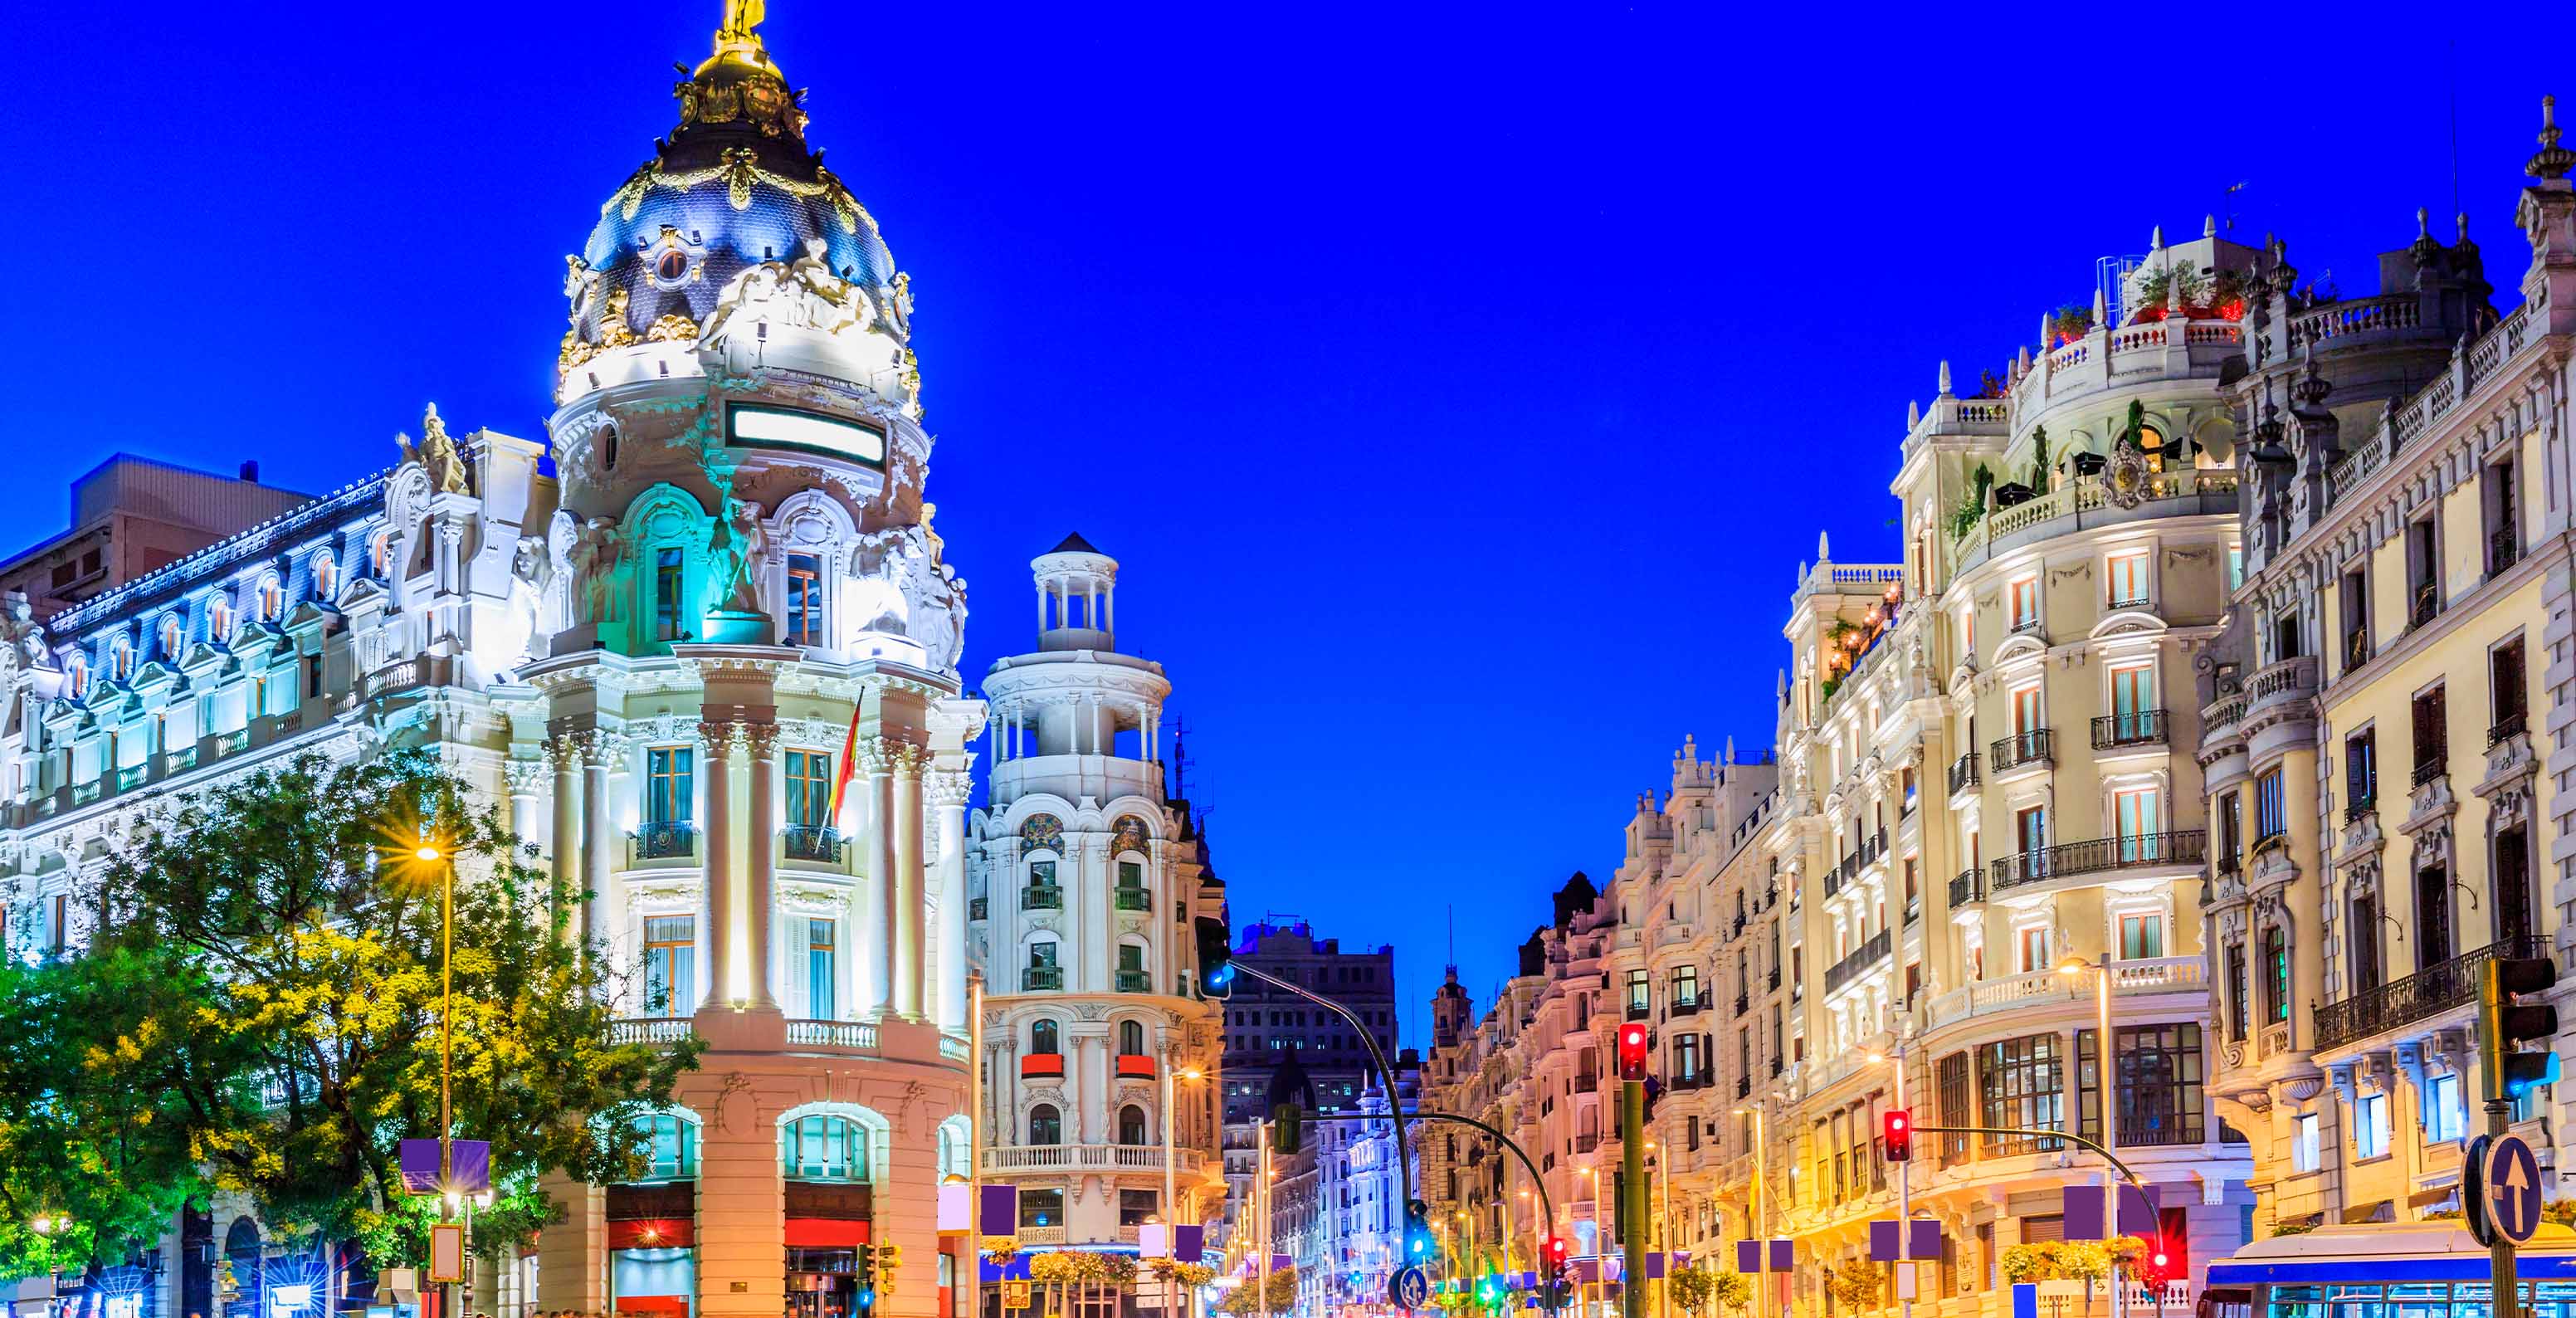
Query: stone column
(910,973)
(599,754)
(572,1255)
(564,753)
(716,847)
(949,789)
(526,778)
(762,838)
(877,761)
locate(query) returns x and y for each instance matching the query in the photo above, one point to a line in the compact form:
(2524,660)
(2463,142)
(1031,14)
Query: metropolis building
(657,654)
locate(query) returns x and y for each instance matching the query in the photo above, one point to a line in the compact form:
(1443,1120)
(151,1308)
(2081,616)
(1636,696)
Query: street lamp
(1170,1201)
(2073,968)
(1761,1225)
(429,853)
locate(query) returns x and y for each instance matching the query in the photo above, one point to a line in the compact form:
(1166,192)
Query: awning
(825,1233)
(653,1304)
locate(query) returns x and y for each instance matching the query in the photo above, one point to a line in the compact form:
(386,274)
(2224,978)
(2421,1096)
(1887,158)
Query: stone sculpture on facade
(436,453)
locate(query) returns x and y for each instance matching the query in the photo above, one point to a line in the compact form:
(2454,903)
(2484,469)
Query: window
(326,577)
(2271,810)
(2360,772)
(822,939)
(809,789)
(2238,1009)
(2142,936)
(2134,707)
(804,600)
(1134,1206)
(2235,567)
(2022,605)
(271,600)
(2030,828)
(670,964)
(2364,940)
(313,675)
(1950,1083)
(1131,1124)
(1685,986)
(76,676)
(1046,1125)
(2159,1086)
(2230,843)
(2423,570)
(219,621)
(2276,975)
(670,1147)
(1131,1038)
(380,555)
(173,636)
(2507,697)
(2432,735)
(2432,916)
(1044,1034)
(826,1149)
(58,929)
(2135,820)
(2033,942)
(2128,576)
(2025,711)
(2303,1146)
(2356,616)
(1686,1057)
(2446,1116)
(1641,994)
(666,594)
(2370,1126)
(1041,1208)
(2020,1084)
(670,793)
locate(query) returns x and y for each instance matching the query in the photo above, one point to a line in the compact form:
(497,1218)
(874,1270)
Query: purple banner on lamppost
(469,1165)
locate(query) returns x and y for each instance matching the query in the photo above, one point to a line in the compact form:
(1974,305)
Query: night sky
(1458,389)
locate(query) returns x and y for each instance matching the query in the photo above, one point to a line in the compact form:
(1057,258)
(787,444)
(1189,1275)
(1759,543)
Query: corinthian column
(717,847)
(909,886)
(949,789)
(563,753)
(599,754)
(876,761)
(762,838)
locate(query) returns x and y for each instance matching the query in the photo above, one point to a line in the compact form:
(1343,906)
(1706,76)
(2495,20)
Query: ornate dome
(735,185)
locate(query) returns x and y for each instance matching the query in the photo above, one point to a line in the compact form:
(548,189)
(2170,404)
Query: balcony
(1135,1066)
(813,842)
(1968,889)
(2426,606)
(2020,750)
(847,1036)
(1743,1086)
(1131,899)
(649,1029)
(1743,1004)
(1145,1158)
(1042,897)
(666,839)
(1688,1004)
(2019,993)
(2505,728)
(1638,1011)
(2066,859)
(2453,983)
(2355,808)
(979,908)
(1963,773)
(1862,958)
(1042,1064)
(1586,1142)
(2503,549)
(2428,770)
(2087,502)
(1041,979)
(1135,981)
(2141,727)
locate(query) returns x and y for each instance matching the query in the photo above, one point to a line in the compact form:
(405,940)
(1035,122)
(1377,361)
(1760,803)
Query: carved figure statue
(831,303)
(21,635)
(734,554)
(436,454)
(614,331)
(595,556)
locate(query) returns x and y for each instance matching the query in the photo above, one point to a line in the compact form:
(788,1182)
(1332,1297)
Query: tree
(1242,1300)
(267,970)
(1856,1285)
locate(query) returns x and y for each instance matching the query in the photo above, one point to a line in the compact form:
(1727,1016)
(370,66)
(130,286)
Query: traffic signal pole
(2505,1301)
(1904,1188)
(1632,1196)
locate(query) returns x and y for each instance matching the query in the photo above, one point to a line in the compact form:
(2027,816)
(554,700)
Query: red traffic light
(1896,1127)
(1558,1247)
(1632,1051)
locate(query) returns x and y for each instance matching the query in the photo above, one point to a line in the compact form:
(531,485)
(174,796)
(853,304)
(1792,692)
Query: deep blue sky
(1459,387)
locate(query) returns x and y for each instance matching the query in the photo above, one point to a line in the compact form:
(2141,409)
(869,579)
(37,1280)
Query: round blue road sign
(2508,1189)
(1410,1289)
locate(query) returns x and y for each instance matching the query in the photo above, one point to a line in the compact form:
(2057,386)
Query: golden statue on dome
(740,17)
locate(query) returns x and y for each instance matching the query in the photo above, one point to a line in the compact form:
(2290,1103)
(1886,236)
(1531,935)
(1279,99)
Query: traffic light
(1897,1126)
(1632,1051)
(2158,1261)
(2513,1023)
(1418,1242)
(1560,1291)
(889,1262)
(1489,1290)
(868,1265)
(1216,958)
(1559,1249)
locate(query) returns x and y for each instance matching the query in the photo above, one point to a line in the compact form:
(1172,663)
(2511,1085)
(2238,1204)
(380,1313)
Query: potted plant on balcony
(1972,509)
(2069,324)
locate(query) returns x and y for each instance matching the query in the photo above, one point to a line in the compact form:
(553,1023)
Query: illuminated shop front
(652,1225)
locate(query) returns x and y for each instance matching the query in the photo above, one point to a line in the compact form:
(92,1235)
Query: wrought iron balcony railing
(663,839)
(1042,897)
(1131,899)
(1862,958)
(2184,847)
(2505,728)
(2138,727)
(819,842)
(1969,887)
(2503,549)
(2427,992)
(1963,773)
(1037,978)
(2019,749)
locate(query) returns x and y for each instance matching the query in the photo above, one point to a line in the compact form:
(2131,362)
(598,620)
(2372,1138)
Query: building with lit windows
(2385,721)
(1101,1056)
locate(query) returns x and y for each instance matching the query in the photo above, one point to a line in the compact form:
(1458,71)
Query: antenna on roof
(1178,788)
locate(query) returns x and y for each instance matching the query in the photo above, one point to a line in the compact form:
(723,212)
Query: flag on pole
(849,761)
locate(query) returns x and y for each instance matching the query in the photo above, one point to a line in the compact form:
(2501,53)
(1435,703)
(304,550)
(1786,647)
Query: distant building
(1354,1238)
(1266,1027)
(130,516)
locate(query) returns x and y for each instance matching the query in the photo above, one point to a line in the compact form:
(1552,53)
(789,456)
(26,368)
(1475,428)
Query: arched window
(608,448)
(380,555)
(219,621)
(1131,1038)
(955,1139)
(76,676)
(670,1147)
(120,659)
(173,635)
(1131,1124)
(826,1149)
(271,599)
(2151,442)
(1046,1125)
(1042,1037)
(326,577)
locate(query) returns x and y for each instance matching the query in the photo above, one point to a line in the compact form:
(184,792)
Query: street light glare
(426,852)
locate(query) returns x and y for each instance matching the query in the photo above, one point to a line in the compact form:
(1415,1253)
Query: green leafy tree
(268,971)
(1245,1299)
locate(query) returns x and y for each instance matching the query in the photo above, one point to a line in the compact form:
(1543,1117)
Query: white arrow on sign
(2507,1194)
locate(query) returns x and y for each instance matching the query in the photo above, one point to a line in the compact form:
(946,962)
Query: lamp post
(429,853)
(974,1260)
(1759,1214)
(2102,1088)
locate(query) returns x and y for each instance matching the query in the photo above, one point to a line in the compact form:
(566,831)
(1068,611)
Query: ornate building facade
(2404,611)
(1101,1054)
(659,657)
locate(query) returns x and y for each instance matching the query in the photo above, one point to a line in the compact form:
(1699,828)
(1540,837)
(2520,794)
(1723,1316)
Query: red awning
(825,1233)
(653,1304)
(652,1233)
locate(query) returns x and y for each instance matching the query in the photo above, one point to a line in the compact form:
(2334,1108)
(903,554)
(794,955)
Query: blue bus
(2386,1270)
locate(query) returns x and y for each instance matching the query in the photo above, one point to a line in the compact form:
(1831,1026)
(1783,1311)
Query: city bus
(2386,1270)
